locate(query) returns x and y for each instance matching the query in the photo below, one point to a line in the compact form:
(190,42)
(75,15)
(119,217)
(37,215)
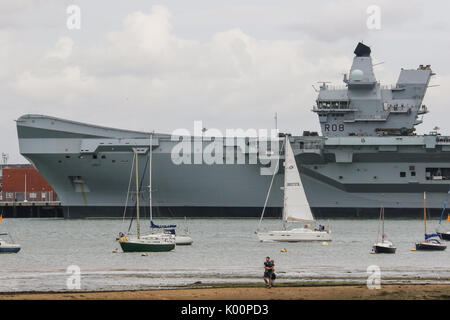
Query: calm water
(224,250)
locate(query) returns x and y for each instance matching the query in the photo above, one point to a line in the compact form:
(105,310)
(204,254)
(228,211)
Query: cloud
(62,50)
(343,19)
(69,82)
(144,76)
(231,79)
(16,14)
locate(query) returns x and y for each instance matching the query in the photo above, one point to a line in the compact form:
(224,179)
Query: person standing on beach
(273,275)
(268,270)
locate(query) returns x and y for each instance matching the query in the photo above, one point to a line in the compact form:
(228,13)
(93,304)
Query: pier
(31,209)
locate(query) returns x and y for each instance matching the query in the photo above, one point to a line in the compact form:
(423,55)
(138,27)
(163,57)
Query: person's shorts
(267,274)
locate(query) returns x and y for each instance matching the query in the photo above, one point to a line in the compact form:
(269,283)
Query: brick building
(20,182)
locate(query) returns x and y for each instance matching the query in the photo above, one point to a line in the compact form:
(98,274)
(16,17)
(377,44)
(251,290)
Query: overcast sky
(160,65)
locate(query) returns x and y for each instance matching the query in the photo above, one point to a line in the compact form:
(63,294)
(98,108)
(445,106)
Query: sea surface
(224,250)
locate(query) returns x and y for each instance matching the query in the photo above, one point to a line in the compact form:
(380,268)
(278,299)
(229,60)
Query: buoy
(413,249)
(324,243)
(283,250)
(115,251)
(144,254)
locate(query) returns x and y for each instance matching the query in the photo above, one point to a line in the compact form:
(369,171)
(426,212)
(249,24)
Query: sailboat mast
(379,223)
(285,186)
(150,176)
(425,211)
(137,196)
(382,226)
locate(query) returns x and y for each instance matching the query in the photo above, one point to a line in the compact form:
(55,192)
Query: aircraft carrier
(367,156)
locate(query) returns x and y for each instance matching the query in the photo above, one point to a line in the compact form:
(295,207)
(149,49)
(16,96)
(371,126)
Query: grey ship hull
(342,177)
(201,190)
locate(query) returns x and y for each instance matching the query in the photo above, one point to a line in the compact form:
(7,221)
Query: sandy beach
(331,292)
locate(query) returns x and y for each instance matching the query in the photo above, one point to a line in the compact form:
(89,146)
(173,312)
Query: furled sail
(431,235)
(152,225)
(296,206)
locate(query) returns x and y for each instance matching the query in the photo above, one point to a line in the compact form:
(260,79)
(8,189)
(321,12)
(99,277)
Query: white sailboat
(162,230)
(5,246)
(295,209)
(8,247)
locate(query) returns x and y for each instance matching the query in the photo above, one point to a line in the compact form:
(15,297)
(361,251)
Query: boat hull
(292,236)
(131,246)
(383,249)
(183,240)
(180,240)
(426,246)
(12,249)
(445,236)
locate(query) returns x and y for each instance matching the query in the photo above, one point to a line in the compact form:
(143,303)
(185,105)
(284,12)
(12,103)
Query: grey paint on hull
(105,181)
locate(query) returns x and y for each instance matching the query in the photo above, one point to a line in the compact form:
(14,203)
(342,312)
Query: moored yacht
(296,207)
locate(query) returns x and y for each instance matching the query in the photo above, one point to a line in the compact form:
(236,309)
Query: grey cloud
(347,19)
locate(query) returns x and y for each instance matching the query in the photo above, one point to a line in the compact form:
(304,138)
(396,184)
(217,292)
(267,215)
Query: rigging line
(270,186)
(142,182)
(170,212)
(128,192)
(379,221)
(150,169)
(138,192)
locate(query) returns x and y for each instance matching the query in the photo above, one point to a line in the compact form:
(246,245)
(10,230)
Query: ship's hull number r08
(334,127)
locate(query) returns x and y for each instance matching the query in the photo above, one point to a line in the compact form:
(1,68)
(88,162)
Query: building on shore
(24,193)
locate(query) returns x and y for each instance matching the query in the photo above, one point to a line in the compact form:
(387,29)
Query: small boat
(383,246)
(6,247)
(444,235)
(146,243)
(429,243)
(183,240)
(296,207)
(180,240)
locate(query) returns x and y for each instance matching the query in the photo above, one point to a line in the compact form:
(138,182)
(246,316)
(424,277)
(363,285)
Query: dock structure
(31,209)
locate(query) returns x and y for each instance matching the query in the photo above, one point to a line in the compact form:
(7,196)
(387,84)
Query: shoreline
(332,291)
